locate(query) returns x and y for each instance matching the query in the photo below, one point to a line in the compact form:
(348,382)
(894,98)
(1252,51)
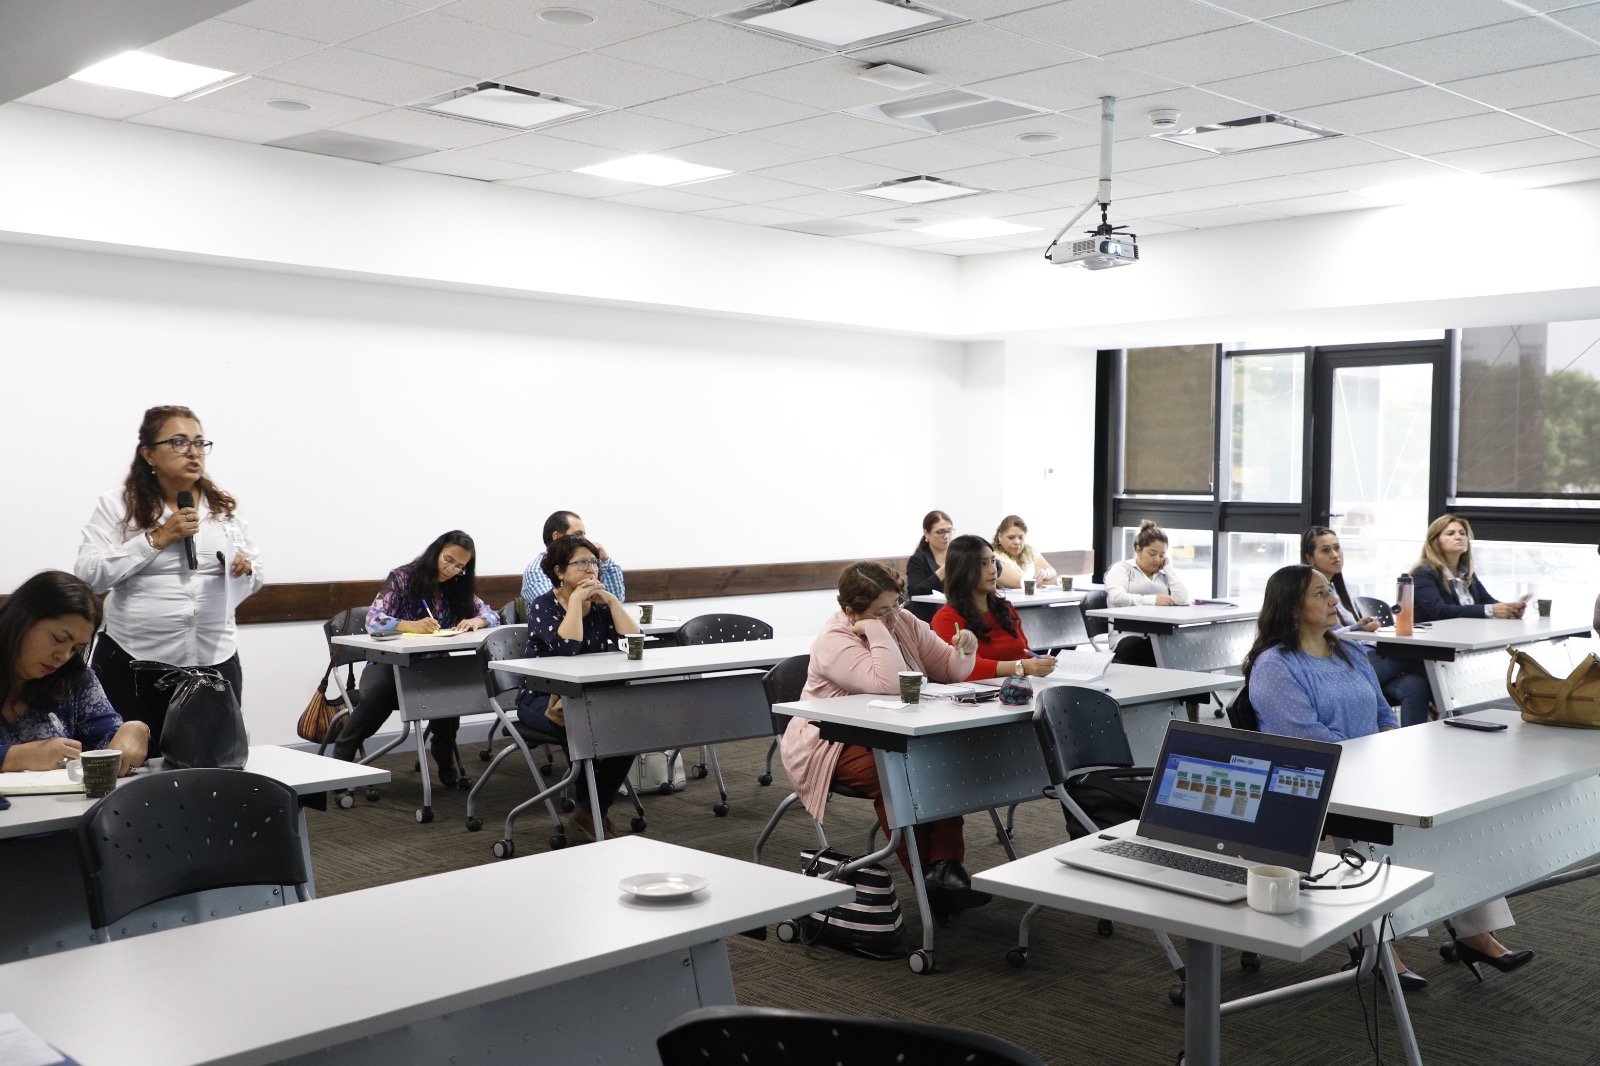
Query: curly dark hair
(560,555)
(47,594)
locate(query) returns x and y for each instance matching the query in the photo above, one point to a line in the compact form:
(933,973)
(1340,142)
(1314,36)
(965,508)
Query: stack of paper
(1081,666)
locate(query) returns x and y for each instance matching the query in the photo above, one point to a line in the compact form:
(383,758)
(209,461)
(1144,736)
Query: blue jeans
(608,773)
(1405,683)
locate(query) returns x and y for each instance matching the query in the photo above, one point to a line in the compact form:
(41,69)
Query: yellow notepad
(37,782)
(435,633)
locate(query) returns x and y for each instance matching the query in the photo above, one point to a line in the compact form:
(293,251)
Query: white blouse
(1126,586)
(157,608)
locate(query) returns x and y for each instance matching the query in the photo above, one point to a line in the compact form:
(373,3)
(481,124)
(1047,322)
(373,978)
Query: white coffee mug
(1273,889)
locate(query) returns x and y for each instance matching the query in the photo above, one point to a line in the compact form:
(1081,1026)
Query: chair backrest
(1079,728)
(351,623)
(786,680)
(515,612)
(178,832)
(503,642)
(1375,608)
(722,629)
(1093,601)
(737,1036)
(1241,712)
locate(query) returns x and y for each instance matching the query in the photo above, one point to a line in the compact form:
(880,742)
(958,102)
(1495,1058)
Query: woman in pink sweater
(861,649)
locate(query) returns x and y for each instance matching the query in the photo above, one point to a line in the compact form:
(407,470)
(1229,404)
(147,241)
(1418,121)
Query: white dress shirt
(158,608)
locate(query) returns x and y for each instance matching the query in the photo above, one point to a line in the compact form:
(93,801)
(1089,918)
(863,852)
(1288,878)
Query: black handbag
(869,925)
(204,727)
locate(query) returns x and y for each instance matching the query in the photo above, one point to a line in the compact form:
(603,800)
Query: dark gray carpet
(1082,998)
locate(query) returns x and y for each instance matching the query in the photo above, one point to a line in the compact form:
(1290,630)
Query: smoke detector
(1164,118)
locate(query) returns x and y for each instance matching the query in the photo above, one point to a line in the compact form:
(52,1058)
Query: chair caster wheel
(1249,960)
(557,842)
(485,755)
(697,771)
(920,961)
(503,849)
(720,810)
(788,932)
(638,825)
(424,815)
(664,789)
(1447,952)
(463,783)
(1017,957)
(474,824)
(547,769)
(346,800)
(1176,994)
(1106,927)
(764,779)
(373,793)
(567,805)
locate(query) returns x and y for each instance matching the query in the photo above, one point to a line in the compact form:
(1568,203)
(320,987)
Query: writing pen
(57,723)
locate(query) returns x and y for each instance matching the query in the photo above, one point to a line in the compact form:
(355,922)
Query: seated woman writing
(578,616)
(1446,586)
(863,647)
(54,708)
(971,571)
(1305,682)
(436,590)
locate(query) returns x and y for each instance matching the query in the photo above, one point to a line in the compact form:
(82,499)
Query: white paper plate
(662,885)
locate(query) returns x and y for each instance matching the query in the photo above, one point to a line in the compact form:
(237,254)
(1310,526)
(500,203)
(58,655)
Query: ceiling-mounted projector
(1096,252)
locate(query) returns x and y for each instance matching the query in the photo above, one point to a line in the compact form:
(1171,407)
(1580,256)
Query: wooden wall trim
(318,600)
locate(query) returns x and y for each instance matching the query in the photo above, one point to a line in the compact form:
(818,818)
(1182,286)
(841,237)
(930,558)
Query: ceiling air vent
(1247,134)
(945,110)
(506,106)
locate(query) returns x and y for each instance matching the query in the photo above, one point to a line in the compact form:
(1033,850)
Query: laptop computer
(1220,801)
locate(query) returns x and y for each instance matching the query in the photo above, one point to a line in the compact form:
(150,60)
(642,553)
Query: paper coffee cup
(97,770)
(1544,608)
(635,645)
(647,613)
(1272,889)
(1066,584)
(910,686)
(1028,586)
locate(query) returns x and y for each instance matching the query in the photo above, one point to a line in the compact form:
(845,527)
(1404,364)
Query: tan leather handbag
(1549,700)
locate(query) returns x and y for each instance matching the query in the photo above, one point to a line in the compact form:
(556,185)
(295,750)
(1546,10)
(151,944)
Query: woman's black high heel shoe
(1511,960)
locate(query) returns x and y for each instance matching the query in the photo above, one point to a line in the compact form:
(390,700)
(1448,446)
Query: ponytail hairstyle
(141,492)
(1308,551)
(1148,534)
(929,520)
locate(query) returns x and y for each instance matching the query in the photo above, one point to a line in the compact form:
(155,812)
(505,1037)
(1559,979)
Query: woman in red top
(970,572)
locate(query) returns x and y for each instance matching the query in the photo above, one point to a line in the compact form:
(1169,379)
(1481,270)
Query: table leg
(594,798)
(1397,1000)
(427,775)
(1202,1005)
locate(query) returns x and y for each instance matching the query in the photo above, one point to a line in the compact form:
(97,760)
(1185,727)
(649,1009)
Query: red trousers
(936,841)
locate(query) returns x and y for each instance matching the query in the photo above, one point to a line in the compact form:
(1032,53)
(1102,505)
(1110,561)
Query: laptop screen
(1241,794)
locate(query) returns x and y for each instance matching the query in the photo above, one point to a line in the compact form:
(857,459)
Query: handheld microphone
(186,499)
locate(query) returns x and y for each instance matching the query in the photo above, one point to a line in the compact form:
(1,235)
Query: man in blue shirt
(566,524)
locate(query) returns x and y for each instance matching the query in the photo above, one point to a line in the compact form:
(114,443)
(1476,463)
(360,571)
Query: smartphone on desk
(1476,723)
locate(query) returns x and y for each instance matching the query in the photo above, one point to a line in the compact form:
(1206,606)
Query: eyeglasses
(889,612)
(585,564)
(183,445)
(446,564)
(945,532)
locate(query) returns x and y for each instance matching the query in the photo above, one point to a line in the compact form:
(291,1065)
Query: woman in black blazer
(1446,586)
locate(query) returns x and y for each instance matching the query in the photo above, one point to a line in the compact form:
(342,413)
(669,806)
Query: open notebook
(37,782)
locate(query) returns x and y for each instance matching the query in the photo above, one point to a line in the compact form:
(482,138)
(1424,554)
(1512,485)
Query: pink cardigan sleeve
(939,660)
(869,662)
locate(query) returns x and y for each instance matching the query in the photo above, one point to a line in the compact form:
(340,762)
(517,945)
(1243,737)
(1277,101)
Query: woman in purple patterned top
(437,589)
(53,706)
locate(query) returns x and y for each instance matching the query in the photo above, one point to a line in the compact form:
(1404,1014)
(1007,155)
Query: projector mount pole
(1102,196)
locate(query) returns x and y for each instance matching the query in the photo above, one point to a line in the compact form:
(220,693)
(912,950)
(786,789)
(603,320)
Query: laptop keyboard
(1176,861)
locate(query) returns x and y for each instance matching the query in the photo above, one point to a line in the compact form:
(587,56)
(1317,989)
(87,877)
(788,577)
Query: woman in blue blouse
(53,706)
(436,590)
(578,616)
(1445,586)
(1304,682)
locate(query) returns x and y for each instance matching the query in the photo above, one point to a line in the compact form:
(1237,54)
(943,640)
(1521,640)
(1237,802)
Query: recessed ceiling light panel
(507,106)
(652,170)
(1247,134)
(920,189)
(945,110)
(141,72)
(840,25)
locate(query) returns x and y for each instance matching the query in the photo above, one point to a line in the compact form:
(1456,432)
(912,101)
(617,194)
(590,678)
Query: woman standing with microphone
(164,551)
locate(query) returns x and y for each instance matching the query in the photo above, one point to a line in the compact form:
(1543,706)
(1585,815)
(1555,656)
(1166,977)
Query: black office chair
(514,613)
(718,629)
(351,622)
(1375,608)
(783,684)
(1099,629)
(164,835)
(737,1036)
(1241,712)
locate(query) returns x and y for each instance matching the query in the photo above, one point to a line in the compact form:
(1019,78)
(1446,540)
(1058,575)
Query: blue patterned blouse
(86,716)
(1332,699)
(397,601)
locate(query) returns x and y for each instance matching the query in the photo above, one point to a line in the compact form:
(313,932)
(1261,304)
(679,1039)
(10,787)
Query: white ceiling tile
(1551,174)
(1265,190)
(604,80)
(1261,9)
(429,130)
(1069,85)
(829,227)
(986,9)
(930,155)
(249,97)
(1360,25)
(1457,133)
(1584,19)
(543,152)
(629,132)
(899,239)
(587,186)
(924,214)
(740,153)
(1206,171)
(1195,107)
(477,167)
(1165,203)
(1325,204)
(726,108)
(1229,53)
(1002,136)
(827,204)
(1390,172)
(1075,193)
(192,118)
(1327,81)
(1533,85)
(1523,43)
(702,7)
(1568,116)
(1222,216)
(1554,5)
(962,248)
(835,133)
(464,47)
(1519,154)
(617,20)
(1409,107)
(750,189)
(833,172)
(1013,174)
(712,50)
(681,200)
(318,19)
(1096,27)
(833,83)
(996,205)
(1144,227)
(753,215)
(1324,155)
(350,73)
(102,101)
(1135,154)
(967,53)
(231,46)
